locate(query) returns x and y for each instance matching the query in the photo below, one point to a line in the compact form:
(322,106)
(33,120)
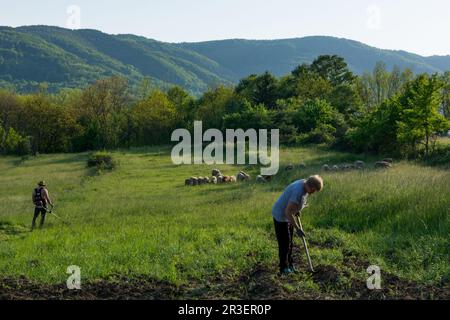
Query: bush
(101,161)
(441,156)
(12,143)
(24,147)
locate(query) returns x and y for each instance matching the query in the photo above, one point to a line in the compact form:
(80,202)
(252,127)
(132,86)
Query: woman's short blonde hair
(315,182)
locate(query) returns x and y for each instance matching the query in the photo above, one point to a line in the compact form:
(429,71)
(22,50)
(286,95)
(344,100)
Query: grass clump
(102,161)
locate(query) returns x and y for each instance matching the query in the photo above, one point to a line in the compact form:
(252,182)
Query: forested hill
(244,57)
(75,58)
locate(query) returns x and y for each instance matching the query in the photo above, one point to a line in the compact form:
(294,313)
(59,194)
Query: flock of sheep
(359,165)
(219,178)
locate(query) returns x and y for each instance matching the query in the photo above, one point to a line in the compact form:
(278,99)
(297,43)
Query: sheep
(226,179)
(326,167)
(388,160)
(213,180)
(260,179)
(242,176)
(206,180)
(219,179)
(187,182)
(216,173)
(382,165)
(360,164)
(267,178)
(194,181)
(348,166)
(233,179)
(302,165)
(335,168)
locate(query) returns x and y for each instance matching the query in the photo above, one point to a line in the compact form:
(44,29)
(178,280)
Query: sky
(418,26)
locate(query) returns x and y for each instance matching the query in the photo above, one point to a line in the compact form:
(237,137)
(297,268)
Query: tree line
(393,112)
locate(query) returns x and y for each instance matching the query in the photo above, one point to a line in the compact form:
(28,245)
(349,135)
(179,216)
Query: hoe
(302,235)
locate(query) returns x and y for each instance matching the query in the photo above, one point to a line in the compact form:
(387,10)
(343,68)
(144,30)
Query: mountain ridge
(74,58)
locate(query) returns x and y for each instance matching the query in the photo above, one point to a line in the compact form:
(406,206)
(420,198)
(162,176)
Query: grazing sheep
(382,165)
(220,179)
(194,181)
(289,167)
(260,179)
(233,179)
(206,180)
(335,168)
(242,176)
(213,180)
(302,165)
(388,160)
(216,173)
(360,164)
(200,181)
(187,182)
(326,167)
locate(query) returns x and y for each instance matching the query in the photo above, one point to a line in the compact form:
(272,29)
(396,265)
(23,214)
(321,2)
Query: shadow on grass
(9,230)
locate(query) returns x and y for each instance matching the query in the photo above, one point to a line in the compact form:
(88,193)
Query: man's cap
(42,183)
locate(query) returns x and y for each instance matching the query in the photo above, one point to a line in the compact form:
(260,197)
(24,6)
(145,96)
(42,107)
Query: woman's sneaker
(286,271)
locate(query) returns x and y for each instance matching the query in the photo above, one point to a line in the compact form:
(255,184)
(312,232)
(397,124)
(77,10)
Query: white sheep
(360,164)
(216,173)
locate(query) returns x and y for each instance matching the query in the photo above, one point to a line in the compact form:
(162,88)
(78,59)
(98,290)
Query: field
(138,232)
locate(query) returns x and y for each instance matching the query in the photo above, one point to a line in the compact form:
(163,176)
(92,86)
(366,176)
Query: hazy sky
(419,26)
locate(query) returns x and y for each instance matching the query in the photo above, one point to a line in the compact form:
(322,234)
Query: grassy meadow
(140,219)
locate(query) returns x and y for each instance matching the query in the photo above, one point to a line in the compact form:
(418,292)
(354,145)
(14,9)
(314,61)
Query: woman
(291,202)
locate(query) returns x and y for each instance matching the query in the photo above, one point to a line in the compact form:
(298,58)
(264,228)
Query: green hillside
(74,58)
(243,57)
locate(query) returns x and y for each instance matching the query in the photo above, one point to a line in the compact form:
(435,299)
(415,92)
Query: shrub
(101,161)
(24,147)
(13,143)
(441,156)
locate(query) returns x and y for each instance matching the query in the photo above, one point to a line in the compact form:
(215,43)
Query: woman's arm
(292,210)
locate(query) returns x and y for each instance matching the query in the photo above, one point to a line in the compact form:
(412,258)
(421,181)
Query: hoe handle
(305,244)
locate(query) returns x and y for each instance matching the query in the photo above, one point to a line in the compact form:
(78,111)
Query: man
(40,200)
(291,202)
